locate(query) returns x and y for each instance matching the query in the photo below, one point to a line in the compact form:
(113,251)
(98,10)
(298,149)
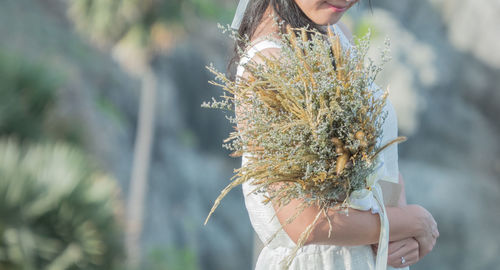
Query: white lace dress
(311,257)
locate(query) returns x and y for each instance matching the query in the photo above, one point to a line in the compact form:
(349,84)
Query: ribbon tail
(238,16)
(383,241)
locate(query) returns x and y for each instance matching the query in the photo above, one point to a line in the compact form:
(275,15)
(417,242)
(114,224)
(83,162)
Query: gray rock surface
(464,205)
(446,94)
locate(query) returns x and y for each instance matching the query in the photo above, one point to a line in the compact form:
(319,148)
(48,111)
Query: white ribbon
(238,16)
(372,198)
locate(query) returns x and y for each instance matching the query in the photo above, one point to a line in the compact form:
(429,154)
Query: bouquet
(312,122)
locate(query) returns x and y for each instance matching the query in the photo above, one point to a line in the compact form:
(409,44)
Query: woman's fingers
(428,238)
(392,247)
(395,246)
(410,250)
(401,253)
(406,255)
(425,245)
(435,232)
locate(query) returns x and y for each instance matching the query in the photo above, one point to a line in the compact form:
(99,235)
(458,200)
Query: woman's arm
(356,228)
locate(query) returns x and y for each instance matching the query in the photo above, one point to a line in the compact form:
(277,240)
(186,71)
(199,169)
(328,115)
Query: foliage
(109,21)
(363,27)
(26,93)
(309,121)
(57,211)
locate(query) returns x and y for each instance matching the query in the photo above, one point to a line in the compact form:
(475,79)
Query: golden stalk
(397,140)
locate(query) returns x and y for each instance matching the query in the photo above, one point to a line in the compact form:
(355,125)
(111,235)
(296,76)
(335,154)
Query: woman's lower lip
(336,9)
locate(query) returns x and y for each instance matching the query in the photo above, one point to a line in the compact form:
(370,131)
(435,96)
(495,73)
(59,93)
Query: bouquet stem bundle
(312,122)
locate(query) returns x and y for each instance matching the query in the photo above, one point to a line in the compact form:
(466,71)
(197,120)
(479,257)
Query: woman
(413,230)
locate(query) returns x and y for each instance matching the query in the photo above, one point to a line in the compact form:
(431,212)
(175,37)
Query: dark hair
(287,10)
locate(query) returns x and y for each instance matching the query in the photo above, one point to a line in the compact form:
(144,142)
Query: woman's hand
(428,233)
(407,248)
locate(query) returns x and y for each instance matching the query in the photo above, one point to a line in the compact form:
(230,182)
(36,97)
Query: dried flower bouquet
(313,121)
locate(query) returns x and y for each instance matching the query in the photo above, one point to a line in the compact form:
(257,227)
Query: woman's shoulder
(257,51)
(263,48)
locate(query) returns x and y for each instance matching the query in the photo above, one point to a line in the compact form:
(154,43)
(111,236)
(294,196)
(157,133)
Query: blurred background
(107,160)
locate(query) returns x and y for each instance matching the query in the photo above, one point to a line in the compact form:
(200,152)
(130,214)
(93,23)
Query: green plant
(27,91)
(57,212)
(363,27)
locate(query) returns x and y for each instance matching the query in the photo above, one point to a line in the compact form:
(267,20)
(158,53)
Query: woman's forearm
(356,228)
(363,227)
